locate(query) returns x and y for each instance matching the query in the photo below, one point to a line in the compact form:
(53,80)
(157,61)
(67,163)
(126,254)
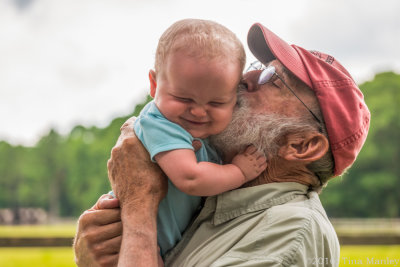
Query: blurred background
(72,71)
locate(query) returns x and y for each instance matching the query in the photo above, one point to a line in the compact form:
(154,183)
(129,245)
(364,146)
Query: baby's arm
(206,178)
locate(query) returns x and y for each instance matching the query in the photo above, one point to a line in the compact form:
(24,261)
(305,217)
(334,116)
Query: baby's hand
(251,162)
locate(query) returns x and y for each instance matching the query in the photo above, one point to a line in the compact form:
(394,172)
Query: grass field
(63,257)
(57,230)
(369,255)
(36,257)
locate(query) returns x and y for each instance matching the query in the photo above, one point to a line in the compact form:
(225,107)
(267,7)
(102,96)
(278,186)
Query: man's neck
(279,171)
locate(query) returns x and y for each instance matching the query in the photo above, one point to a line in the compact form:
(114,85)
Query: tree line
(65,175)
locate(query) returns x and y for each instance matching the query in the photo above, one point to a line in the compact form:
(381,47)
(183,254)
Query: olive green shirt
(277,224)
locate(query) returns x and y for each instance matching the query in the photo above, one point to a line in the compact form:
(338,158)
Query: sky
(84,62)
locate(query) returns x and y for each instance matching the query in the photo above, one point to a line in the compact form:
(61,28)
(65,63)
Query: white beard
(265,131)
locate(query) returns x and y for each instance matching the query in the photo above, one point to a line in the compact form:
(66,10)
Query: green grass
(36,257)
(369,255)
(63,257)
(58,230)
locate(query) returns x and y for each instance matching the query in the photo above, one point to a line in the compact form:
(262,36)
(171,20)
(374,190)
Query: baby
(198,67)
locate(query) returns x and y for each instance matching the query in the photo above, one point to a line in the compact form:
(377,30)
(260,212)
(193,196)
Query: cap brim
(266,46)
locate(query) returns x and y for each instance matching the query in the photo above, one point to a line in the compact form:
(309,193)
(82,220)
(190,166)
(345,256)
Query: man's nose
(198,111)
(250,81)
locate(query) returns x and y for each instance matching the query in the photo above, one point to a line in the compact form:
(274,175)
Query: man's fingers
(108,247)
(104,196)
(100,217)
(113,230)
(106,250)
(127,129)
(107,260)
(108,216)
(98,235)
(128,124)
(108,203)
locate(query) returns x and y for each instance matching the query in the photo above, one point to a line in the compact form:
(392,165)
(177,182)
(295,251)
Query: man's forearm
(139,237)
(140,185)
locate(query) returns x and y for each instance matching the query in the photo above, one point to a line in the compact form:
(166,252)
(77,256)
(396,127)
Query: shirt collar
(235,203)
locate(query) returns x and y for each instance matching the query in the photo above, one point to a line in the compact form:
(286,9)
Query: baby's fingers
(250,150)
(262,166)
(261,160)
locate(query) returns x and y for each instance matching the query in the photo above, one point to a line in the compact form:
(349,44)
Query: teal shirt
(158,135)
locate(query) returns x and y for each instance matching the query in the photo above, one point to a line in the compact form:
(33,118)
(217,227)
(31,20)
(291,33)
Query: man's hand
(140,185)
(132,175)
(98,237)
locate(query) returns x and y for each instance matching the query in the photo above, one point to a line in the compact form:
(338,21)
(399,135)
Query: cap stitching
(352,138)
(336,83)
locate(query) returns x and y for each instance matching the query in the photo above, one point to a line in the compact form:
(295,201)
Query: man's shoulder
(302,227)
(294,233)
(300,214)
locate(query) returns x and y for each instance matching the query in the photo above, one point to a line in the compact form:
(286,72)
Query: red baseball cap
(342,103)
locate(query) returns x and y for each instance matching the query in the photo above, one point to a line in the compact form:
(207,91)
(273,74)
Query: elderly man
(303,109)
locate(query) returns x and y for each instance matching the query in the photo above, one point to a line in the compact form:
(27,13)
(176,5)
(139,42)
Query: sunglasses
(266,76)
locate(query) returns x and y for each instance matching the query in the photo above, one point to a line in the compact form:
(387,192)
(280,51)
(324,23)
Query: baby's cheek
(225,118)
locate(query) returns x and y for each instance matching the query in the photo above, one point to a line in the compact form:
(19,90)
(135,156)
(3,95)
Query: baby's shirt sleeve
(158,134)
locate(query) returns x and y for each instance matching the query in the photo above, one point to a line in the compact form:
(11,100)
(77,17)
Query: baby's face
(198,94)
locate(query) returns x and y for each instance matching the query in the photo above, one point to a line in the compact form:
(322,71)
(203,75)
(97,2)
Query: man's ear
(307,147)
(153,83)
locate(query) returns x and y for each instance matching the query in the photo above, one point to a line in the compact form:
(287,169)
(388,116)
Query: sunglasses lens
(266,75)
(256,65)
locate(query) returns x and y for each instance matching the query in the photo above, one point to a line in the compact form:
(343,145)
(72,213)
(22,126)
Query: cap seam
(336,83)
(352,138)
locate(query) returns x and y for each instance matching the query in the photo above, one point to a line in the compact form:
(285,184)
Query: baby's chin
(199,135)
(203,135)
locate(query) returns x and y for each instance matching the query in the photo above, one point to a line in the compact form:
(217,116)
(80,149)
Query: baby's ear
(153,83)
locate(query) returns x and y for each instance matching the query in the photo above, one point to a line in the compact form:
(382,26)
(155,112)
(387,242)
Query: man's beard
(266,132)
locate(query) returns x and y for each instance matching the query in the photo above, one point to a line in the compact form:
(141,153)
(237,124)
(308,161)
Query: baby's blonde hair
(199,38)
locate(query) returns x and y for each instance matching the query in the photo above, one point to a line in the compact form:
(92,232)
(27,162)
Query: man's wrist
(143,205)
(130,214)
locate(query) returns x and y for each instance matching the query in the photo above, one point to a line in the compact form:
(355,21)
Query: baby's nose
(198,111)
